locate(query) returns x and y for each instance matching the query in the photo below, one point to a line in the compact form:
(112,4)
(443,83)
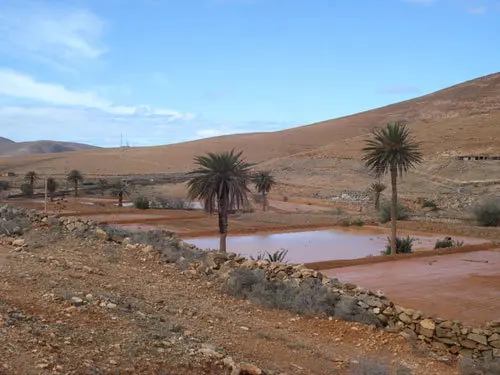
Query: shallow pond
(312,246)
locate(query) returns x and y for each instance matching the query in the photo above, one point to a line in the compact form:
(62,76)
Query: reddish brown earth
(159,318)
(458,286)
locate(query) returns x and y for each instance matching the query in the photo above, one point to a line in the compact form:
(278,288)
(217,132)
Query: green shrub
(355,222)
(277,256)
(311,297)
(488,213)
(385,212)
(430,204)
(142,203)
(4,185)
(403,245)
(27,189)
(447,242)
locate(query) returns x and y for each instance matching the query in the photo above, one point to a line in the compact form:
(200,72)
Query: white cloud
(50,32)
(21,86)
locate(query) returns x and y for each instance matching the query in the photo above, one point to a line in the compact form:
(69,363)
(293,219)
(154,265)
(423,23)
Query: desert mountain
(322,157)
(11,148)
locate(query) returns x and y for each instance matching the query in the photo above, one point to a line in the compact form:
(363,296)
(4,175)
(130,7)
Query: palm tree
(264,181)
(75,177)
(103,185)
(392,150)
(221,182)
(51,187)
(30,178)
(376,188)
(120,191)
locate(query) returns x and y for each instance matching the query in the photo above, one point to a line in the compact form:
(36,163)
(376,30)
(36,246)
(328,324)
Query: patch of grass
(311,297)
(404,245)
(430,204)
(487,213)
(447,242)
(385,212)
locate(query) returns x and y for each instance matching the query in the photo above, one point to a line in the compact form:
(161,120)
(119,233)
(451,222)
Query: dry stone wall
(442,336)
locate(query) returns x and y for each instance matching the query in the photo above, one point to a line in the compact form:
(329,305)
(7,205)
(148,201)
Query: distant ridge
(11,148)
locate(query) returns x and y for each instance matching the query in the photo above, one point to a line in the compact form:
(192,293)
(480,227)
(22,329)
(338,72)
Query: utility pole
(45,194)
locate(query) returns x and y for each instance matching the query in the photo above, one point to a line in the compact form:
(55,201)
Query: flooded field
(454,286)
(314,246)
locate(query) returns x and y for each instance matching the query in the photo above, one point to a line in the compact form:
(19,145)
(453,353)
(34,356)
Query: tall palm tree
(51,187)
(221,182)
(264,182)
(376,188)
(75,177)
(30,178)
(392,150)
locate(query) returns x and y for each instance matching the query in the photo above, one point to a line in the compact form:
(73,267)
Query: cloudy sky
(165,71)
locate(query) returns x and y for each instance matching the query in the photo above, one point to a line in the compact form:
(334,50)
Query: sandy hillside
(458,120)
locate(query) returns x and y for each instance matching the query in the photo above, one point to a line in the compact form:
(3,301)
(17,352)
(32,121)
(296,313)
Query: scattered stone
(20,242)
(481,339)
(76,301)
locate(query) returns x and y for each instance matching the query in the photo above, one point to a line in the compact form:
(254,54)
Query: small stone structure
(477,157)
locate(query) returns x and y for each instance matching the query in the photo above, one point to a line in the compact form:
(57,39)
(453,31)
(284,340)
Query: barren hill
(11,148)
(458,120)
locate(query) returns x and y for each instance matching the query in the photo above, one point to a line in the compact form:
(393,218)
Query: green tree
(120,191)
(221,182)
(26,189)
(30,178)
(376,188)
(264,182)
(103,185)
(392,150)
(51,187)
(4,185)
(74,177)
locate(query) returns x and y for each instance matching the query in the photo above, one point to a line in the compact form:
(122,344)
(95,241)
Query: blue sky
(165,71)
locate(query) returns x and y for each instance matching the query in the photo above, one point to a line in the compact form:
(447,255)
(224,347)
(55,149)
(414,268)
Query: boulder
(480,339)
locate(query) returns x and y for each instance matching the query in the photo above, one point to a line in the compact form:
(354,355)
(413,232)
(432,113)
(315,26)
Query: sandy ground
(457,286)
(159,318)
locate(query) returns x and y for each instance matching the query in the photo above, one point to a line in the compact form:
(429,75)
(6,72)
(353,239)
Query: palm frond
(264,181)
(220,177)
(391,148)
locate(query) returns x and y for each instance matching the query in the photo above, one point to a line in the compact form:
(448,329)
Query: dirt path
(455,286)
(142,316)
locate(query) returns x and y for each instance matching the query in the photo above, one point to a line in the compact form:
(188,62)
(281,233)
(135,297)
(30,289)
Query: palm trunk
(264,201)
(76,188)
(377,201)
(120,199)
(394,209)
(222,224)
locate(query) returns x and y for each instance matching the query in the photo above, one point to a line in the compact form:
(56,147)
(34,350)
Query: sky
(167,71)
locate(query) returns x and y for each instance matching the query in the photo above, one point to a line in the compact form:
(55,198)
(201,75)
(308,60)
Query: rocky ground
(72,303)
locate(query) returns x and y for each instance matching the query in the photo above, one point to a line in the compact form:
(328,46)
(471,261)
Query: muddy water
(456,286)
(312,246)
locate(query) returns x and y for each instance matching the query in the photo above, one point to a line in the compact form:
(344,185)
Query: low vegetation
(277,256)
(311,297)
(404,245)
(141,203)
(385,212)
(27,189)
(353,222)
(4,185)
(447,242)
(487,213)
(430,204)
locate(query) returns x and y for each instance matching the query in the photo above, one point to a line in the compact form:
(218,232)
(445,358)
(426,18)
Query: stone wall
(440,335)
